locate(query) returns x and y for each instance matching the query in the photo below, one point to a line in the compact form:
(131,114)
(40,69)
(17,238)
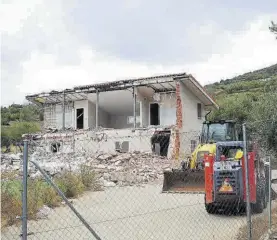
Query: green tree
(263,121)
(13,134)
(273,28)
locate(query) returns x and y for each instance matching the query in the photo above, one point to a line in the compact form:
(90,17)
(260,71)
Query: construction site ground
(135,213)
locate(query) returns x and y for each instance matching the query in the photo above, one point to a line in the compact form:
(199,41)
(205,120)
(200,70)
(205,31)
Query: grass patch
(70,184)
(88,178)
(41,193)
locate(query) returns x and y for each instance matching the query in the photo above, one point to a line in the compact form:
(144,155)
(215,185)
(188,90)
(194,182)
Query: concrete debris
(115,169)
(108,184)
(44,212)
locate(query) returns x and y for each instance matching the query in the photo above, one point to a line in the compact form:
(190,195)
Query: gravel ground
(134,213)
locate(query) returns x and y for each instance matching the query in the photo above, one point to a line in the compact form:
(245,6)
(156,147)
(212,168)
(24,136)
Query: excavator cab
(219,131)
(190,176)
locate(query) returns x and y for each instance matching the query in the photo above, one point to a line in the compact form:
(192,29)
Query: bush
(88,177)
(50,197)
(41,193)
(10,208)
(70,184)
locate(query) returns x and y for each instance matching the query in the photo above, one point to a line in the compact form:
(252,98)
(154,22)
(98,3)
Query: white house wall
(168,109)
(167,104)
(53,116)
(144,113)
(91,115)
(189,111)
(49,116)
(143,102)
(119,121)
(191,124)
(103,118)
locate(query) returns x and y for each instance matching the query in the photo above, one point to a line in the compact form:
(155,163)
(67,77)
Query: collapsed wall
(104,151)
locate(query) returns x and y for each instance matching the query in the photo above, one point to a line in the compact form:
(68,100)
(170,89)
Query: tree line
(17,120)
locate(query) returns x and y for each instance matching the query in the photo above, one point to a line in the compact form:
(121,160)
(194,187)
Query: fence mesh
(114,178)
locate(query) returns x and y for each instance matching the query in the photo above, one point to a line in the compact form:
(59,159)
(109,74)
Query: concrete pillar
(97,110)
(134,108)
(63,109)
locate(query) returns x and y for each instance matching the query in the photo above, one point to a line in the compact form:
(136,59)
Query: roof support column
(134,106)
(63,121)
(97,110)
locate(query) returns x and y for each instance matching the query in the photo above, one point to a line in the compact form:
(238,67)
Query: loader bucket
(184,181)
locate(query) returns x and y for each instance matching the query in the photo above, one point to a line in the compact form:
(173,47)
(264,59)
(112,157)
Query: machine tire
(265,199)
(259,206)
(210,208)
(265,192)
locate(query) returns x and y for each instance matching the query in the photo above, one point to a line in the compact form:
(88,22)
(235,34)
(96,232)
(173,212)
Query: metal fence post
(248,207)
(269,195)
(48,179)
(24,194)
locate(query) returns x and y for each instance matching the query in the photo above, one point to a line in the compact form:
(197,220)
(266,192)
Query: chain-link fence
(132,184)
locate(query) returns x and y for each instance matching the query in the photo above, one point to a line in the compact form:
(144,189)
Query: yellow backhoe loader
(189,178)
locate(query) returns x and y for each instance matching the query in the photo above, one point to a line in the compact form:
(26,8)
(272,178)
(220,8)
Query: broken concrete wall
(107,141)
(65,140)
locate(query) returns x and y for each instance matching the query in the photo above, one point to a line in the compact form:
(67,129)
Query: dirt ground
(260,226)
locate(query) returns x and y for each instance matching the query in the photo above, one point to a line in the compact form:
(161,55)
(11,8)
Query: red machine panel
(251,177)
(209,160)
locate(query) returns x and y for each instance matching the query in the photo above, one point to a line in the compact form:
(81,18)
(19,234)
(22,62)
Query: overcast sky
(56,44)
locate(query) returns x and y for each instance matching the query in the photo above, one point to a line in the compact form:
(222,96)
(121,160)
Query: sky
(56,44)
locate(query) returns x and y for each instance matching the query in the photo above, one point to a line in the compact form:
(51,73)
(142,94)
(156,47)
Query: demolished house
(160,114)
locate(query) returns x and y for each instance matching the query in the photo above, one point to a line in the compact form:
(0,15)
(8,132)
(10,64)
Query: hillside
(250,98)
(257,82)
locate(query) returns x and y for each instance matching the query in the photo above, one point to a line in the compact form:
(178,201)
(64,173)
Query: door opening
(154,114)
(80,118)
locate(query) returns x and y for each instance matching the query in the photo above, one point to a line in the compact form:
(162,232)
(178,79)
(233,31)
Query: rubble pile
(113,169)
(11,162)
(130,168)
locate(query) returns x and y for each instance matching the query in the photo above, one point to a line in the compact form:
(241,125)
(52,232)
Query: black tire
(258,207)
(265,191)
(265,199)
(210,208)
